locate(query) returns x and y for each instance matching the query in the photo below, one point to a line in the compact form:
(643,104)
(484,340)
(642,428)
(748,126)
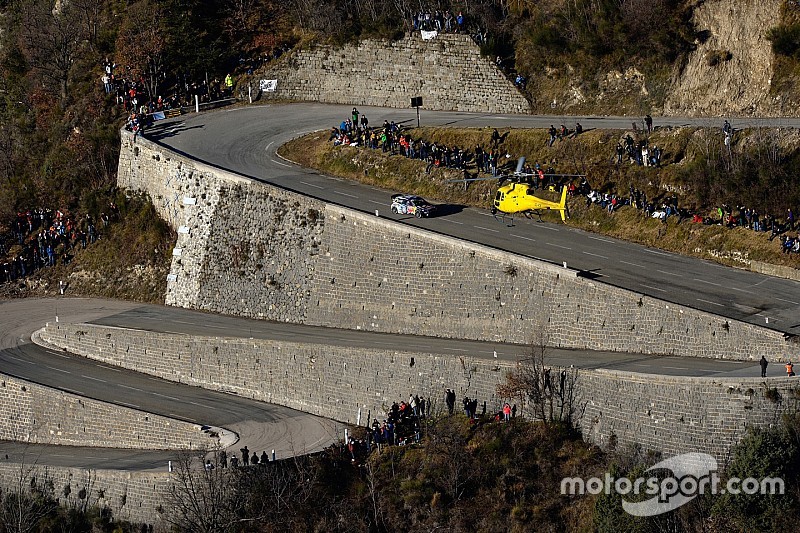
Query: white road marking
(599,239)
(487,229)
(20,360)
(376,202)
(744,290)
(281,164)
(677,367)
(712,303)
(202,405)
(548,227)
(655,252)
(596,255)
(94,379)
(453,221)
(267,147)
(639,364)
(668,273)
(58,369)
(212,326)
(456,349)
(558,246)
(165,396)
(787,301)
(311,184)
(632,264)
(707,282)
(523,237)
(654,288)
(131,388)
(345,194)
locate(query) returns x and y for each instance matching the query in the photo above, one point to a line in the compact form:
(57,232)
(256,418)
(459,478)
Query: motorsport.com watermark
(692,474)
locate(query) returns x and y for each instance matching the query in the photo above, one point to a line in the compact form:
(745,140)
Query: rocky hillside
(668,57)
(731,70)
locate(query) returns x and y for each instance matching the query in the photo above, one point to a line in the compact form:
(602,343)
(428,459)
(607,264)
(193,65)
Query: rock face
(448,72)
(736,86)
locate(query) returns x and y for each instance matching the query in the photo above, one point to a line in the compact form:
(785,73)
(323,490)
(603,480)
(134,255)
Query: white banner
(428,35)
(268,86)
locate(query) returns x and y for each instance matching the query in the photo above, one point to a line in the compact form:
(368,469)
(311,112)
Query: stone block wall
(33,413)
(677,415)
(138,497)
(672,415)
(448,72)
(254,250)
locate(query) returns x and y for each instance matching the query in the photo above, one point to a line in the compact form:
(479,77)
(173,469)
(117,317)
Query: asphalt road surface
(245,140)
(259,425)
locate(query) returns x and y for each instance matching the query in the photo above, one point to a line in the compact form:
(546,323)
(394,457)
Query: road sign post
(416,101)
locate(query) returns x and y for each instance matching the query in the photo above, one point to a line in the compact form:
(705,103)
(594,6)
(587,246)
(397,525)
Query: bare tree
(142,44)
(50,39)
(89,12)
(202,495)
(28,499)
(549,392)
(451,463)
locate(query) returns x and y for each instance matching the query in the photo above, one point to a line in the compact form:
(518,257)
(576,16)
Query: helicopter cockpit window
(498,196)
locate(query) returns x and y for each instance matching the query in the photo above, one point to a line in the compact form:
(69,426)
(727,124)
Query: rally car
(409,204)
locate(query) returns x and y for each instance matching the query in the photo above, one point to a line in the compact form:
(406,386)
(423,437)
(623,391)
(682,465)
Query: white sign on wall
(177,252)
(268,86)
(428,35)
(188,200)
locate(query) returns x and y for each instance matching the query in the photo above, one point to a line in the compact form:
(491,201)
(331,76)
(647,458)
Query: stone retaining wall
(254,250)
(448,72)
(137,497)
(38,414)
(668,414)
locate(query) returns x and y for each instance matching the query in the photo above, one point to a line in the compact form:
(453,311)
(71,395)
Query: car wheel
(418,214)
(394,210)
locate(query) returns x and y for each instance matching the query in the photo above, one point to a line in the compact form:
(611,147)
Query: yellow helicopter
(518,195)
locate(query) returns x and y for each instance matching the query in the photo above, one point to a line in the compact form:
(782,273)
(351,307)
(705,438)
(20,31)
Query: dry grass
(590,154)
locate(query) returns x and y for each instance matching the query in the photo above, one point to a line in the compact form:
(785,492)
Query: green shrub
(785,40)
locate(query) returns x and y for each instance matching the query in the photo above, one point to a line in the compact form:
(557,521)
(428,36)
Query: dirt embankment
(731,70)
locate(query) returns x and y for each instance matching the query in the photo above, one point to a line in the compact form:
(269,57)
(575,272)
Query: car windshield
(419,202)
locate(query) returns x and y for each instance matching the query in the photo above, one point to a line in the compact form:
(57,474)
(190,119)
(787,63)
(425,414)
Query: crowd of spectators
(493,160)
(440,21)
(391,138)
(132,94)
(39,238)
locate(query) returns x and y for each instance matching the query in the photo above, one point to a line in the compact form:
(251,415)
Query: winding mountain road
(244,140)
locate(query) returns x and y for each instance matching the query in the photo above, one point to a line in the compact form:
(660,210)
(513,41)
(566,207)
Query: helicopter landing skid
(502,219)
